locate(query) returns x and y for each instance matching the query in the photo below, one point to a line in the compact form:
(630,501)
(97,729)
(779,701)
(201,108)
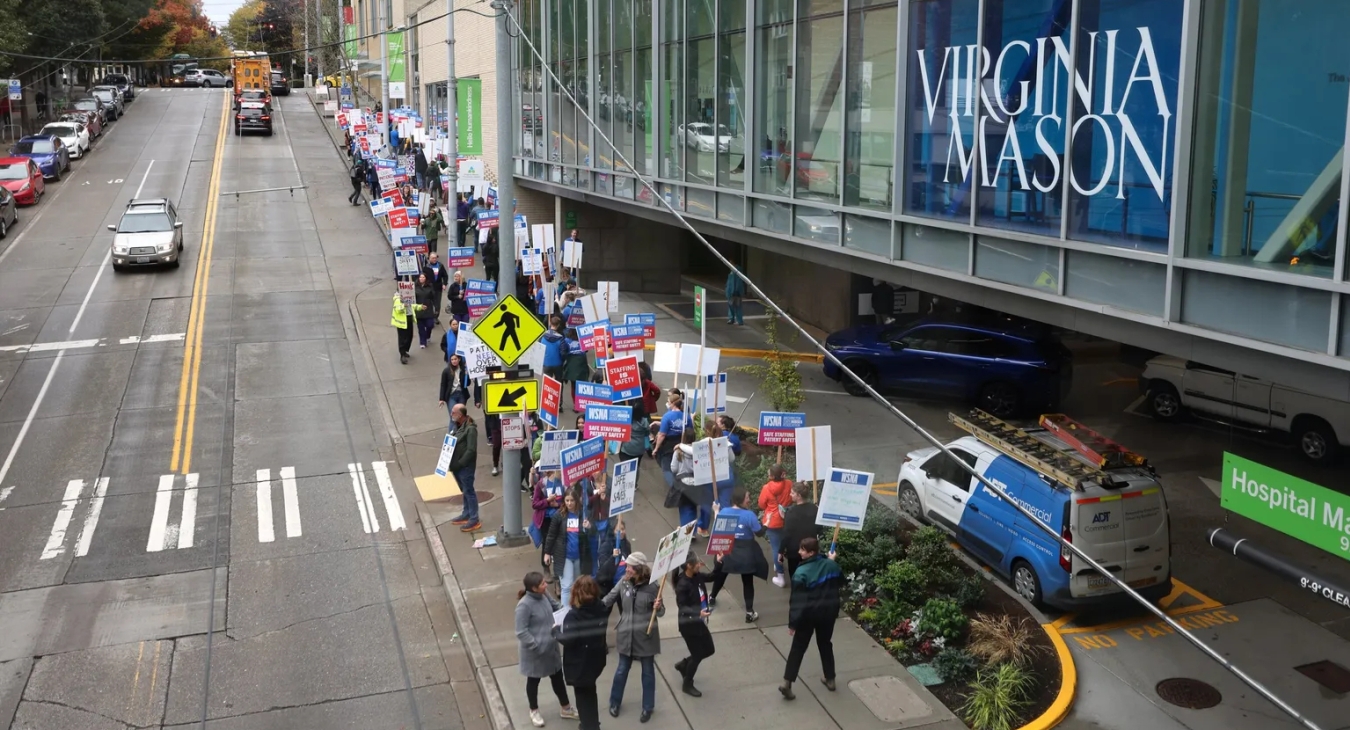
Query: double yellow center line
(192,344)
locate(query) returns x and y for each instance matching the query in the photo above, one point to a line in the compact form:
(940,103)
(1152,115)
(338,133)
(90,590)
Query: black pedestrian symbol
(510,321)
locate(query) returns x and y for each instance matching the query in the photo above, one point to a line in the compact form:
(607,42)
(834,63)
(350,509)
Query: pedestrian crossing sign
(509,329)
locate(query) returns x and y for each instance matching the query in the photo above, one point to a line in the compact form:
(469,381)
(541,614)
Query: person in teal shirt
(735,292)
(746,558)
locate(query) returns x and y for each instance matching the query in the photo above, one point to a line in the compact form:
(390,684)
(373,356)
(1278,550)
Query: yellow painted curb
(1068,685)
(741,352)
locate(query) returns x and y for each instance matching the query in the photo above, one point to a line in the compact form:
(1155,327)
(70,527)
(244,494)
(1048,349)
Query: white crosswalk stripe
(169,535)
(56,541)
(57,538)
(91,519)
(370,522)
(290,504)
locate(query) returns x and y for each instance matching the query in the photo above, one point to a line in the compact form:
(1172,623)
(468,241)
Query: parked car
(9,212)
(253,116)
(90,120)
(699,136)
(123,84)
(22,178)
(92,105)
(1002,369)
(110,96)
(173,81)
(1318,424)
(205,77)
(281,86)
(1119,519)
(72,134)
(48,151)
(148,234)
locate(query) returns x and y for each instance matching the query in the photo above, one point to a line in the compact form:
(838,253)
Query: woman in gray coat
(540,655)
(638,599)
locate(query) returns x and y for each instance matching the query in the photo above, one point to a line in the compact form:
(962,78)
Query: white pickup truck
(1319,425)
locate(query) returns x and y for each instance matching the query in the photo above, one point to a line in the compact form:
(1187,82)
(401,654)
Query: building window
(623,83)
(730,93)
(773,97)
(603,86)
(1123,134)
(818,157)
(672,91)
(869,139)
(698,134)
(1270,130)
(940,108)
(643,128)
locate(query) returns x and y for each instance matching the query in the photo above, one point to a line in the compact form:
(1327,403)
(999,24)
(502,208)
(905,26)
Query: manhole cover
(1329,674)
(1191,694)
(483,498)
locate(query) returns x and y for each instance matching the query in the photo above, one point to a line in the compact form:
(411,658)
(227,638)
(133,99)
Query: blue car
(48,151)
(1003,368)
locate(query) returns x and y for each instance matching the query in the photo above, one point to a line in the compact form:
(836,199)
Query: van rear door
(1126,532)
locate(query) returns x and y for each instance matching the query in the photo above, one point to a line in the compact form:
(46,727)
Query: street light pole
(451,123)
(304,57)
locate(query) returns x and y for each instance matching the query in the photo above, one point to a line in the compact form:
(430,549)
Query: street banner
(779,429)
(480,305)
(592,394)
(611,423)
(843,501)
(815,453)
(723,536)
(397,66)
(550,452)
(714,393)
(447,451)
(623,487)
(469,120)
(457,258)
(585,459)
(627,337)
(624,378)
(550,401)
(712,460)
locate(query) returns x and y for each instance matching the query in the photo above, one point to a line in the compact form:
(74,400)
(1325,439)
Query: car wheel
(909,501)
(119,268)
(1026,583)
(4,228)
(56,174)
(864,371)
(173,264)
(1316,439)
(1000,399)
(1164,403)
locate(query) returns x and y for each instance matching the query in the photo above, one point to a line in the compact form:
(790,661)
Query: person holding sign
(582,636)
(798,524)
(813,609)
(746,558)
(639,599)
(567,550)
(547,500)
(602,527)
(575,367)
(458,290)
(540,655)
(691,596)
(399,321)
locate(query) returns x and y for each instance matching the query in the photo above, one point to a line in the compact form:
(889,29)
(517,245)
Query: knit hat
(637,560)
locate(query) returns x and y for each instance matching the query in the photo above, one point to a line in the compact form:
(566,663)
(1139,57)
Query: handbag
(673,494)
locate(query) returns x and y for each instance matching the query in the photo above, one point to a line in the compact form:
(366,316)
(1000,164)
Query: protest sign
(627,337)
(623,487)
(589,335)
(550,401)
(611,423)
(715,393)
(625,379)
(779,429)
(447,451)
(459,257)
(723,536)
(481,286)
(592,394)
(478,357)
(672,550)
(550,452)
(480,305)
(712,460)
(648,322)
(843,501)
(585,459)
(815,453)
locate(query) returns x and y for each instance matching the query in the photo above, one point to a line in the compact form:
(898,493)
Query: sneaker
(569,713)
(829,683)
(536,719)
(495,472)
(471,526)
(459,520)
(778,580)
(751,617)
(785,689)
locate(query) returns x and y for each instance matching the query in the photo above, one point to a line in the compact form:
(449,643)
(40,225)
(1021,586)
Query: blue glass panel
(940,107)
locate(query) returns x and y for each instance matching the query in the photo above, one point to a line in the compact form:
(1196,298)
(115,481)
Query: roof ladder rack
(1098,449)
(1018,444)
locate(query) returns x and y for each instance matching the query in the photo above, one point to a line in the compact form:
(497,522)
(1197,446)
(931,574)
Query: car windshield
(35,147)
(103,93)
(60,130)
(144,223)
(114,79)
(87,104)
(14,171)
(276,77)
(254,95)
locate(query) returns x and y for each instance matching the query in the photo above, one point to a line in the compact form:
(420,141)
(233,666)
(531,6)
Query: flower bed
(996,667)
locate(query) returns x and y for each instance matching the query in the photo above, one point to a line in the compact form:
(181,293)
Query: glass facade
(1166,159)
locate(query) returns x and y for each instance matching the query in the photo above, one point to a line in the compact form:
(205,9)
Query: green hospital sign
(1316,515)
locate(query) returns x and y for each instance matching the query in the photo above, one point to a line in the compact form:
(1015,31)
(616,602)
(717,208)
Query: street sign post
(700,301)
(509,329)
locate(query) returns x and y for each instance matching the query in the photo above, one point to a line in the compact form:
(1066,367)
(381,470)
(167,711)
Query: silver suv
(149,233)
(113,98)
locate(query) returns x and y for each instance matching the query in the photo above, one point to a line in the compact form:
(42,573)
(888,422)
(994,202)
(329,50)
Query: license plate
(1142,582)
(142,259)
(1095,582)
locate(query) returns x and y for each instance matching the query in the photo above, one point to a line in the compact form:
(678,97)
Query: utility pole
(452,122)
(384,71)
(512,533)
(304,57)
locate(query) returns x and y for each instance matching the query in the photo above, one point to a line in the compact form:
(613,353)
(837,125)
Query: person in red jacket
(774,500)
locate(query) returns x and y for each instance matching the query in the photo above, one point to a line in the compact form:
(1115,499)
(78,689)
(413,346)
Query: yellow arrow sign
(501,397)
(508,329)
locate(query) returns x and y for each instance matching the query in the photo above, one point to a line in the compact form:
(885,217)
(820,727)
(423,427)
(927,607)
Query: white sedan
(74,136)
(699,136)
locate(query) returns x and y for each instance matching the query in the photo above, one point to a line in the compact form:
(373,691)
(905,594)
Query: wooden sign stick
(662,589)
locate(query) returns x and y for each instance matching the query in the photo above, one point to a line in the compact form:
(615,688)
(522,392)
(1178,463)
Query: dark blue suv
(1003,369)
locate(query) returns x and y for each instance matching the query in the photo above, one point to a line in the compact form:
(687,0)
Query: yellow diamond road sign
(510,396)
(509,329)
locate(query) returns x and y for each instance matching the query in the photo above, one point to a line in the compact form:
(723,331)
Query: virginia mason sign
(1021,90)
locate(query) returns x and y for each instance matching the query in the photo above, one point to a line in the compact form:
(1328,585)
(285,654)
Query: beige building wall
(475,57)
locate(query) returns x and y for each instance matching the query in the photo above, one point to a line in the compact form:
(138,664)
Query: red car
(21,176)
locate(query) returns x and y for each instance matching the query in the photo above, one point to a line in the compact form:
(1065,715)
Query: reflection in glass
(936,247)
(868,234)
(672,96)
(622,111)
(773,98)
(644,155)
(1023,111)
(700,202)
(1260,310)
(730,90)
(817,224)
(1267,183)
(730,208)
(567,49)
(869,140)
(940,108)
(1123,135)
(820,99)
(696,132)
(771,215)
(1015,262)
(1136,285)
(603,88)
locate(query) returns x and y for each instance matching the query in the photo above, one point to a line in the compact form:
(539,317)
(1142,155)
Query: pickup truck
(1319,425)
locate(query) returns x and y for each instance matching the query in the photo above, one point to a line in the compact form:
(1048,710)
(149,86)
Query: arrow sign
(506,397)
(510,399)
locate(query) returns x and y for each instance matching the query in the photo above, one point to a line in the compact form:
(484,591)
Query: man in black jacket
(812,610)
(798,524)
(358,175)
(463,463)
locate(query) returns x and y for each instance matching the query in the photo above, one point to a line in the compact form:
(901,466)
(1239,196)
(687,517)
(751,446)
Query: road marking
(369,521)
(159,523)
(56,541)
(91,519)
(265,530)
(291,500)
(185,424)
(187,527)
(4,494)
(390,499)
(81,344)
(824,392)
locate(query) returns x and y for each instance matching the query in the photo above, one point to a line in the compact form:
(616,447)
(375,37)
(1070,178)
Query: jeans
(689,511)
(775,541)
(648,681)
(559,690)
(735,311)
(664,460)
(571,571)
(824,631)
(465,478)
(355,197)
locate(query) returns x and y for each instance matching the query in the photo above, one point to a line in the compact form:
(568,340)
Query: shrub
(903,581)
(880,522)
(997,695)
(1003,639)
(929,550)
(871,554)
(968,590)
(955,666)
(942,617)
(753,474)
(885,615)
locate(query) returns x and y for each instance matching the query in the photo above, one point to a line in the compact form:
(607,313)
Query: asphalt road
(195,519)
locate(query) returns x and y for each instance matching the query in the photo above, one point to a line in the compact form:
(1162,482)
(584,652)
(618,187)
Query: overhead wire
(1128,590)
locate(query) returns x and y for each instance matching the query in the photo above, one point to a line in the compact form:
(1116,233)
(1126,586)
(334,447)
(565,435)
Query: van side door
(1252,402)
(1208,389)
(989,522)
(948,487)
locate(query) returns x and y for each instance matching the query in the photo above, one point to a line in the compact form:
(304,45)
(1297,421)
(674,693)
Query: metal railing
(1249,214)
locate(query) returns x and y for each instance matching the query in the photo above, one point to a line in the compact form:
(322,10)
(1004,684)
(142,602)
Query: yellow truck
(251,72)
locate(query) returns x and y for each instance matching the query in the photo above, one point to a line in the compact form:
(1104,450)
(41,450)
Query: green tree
(241,30)
(206,45)
(779,380)
(13,34)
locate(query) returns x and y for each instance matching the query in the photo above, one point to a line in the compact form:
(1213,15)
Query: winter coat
(454,382)
(800,523)
(635,610)
(697,638)
(771,497)
(815,591)
(555,352)
(576,367)
(735,285)
(437,277)
(582,636)
(458,306)
(555,544)
(539,499)
(465,454)
(540,655)
(426,301)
